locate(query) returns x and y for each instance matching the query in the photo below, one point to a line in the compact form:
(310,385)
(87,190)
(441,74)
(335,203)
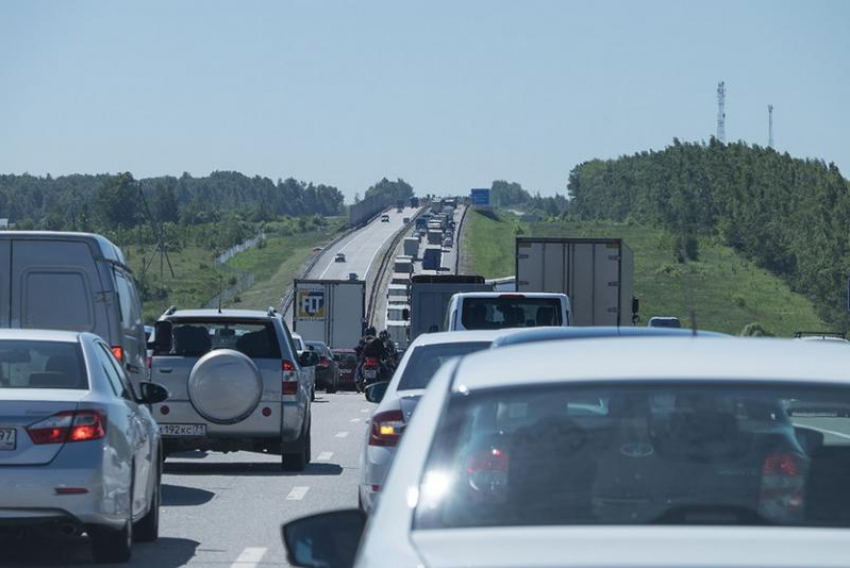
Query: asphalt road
(224,510)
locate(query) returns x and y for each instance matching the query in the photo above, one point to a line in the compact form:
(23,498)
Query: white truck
(430,295)
(411,247)
(332,311)
(597,274)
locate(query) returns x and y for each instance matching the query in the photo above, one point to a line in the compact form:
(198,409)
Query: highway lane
(226,509)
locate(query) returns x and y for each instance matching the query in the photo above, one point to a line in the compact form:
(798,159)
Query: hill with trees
(790,216)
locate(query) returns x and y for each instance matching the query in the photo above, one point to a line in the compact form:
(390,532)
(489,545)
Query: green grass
(727,291)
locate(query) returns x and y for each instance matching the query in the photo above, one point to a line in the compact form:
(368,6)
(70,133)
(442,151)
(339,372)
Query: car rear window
(426,359)
(346,359)
(41,364)
(194,338)
(509,312)
(620,454)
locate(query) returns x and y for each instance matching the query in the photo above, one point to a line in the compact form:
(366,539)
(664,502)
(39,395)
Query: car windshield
(508,312)
(426,359)
(645,454)
(41,364)
(194,338)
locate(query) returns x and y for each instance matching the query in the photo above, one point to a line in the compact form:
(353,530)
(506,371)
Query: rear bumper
(376,463)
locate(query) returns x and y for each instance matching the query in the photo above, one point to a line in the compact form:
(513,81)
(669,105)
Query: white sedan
(78,446)
(663,452)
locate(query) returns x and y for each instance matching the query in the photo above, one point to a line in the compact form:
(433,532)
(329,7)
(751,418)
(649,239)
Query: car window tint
(42,364)
(640,454)
(510,312)
(426,359)
(40,311)
(130,316)
(195,338)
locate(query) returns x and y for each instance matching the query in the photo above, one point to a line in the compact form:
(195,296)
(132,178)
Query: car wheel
(147,529)
(313,394)
(113,545)
(330,388)
(297,461)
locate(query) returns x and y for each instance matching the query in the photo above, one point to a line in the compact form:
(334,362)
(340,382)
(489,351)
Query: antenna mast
(770,126)
(721,112)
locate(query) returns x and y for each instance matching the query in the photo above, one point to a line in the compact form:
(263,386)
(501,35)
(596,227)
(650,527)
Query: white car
(309,371)
(663,452)
(399,397)
(504,310)
(78,447)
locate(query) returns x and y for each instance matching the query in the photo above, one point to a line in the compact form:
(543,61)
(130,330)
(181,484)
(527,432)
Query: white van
(495,310)
(75,282)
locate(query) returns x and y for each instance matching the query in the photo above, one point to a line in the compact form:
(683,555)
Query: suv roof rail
(272,311)
(170,310)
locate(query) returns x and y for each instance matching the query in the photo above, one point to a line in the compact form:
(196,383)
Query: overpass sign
(480,197)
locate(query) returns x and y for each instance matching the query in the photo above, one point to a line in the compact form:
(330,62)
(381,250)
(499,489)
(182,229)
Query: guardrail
(458,235)
(382,267)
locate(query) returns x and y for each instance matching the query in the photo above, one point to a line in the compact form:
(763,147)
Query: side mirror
(152,393)
(326,540)
(308,359)
(405,314)
(162,337)
(376,391)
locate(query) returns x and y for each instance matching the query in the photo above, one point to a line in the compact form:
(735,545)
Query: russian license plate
(183,429)
(370,373)
(7,438)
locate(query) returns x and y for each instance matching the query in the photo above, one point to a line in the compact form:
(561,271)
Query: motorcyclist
(373,347)
(389,348)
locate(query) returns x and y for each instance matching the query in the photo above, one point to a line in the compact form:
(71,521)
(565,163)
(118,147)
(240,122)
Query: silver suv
(235,383)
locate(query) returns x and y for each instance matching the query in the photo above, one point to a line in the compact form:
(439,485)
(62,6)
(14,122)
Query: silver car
(78,448)
(236,383)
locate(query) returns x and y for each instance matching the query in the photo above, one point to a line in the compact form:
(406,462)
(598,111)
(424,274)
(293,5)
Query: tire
(109,545)
(297,461)
(330,388)
(147,528)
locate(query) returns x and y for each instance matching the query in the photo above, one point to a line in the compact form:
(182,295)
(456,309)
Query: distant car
(835,336)
(78,445)
(385,218)
(236,383)
(401,394)
(346,360)
(664,321)
(327,371)
(352,276)
(632,452)
(340,257)
(405,220)
(447,242)
(318,249)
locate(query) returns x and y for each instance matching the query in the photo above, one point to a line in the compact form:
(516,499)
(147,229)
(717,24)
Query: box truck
(333,311)
(411,247)
(597,274)
(432,259)
(430,295)
(435,237)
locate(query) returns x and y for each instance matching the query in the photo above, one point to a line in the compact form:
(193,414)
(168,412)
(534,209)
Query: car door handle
(165,370)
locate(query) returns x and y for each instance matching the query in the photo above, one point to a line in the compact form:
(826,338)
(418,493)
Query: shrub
(755,329)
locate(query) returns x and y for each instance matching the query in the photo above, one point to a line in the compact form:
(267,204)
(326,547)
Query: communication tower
(770,126)
(721,112)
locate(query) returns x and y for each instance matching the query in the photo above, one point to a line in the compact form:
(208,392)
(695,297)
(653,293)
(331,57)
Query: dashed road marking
(325,456)
(342,434)
(364,410)
(298,492)
(355,420)
(250,557)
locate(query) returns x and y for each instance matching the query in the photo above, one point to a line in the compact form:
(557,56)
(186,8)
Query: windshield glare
(666,454)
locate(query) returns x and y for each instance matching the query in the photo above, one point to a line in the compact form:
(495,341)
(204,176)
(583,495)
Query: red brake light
(118,351)
(68,426)
(787,465)
(287,365)
(512,296)
(289,387)
(370,363)
(386,428)
(324,362)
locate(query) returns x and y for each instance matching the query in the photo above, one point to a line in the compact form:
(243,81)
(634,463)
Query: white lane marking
(298,492)
(355,420)
(325,456)
(825,431)
(250,557)
(342,434)
(364,410)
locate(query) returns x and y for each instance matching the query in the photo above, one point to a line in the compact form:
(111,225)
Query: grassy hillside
(728,292)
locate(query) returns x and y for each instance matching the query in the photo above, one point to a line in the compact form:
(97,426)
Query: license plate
(183,429)
(370,373)
(7,438)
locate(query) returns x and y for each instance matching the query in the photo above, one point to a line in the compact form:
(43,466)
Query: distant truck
(597,274)
(432,258)
(435,237)
(414,202)
(332,311)
(430,295)
(411,247)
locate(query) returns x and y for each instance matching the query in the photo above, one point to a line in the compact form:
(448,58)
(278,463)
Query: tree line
(504,194)
(790,216)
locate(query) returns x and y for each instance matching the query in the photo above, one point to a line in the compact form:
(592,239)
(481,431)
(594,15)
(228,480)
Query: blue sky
(446,94)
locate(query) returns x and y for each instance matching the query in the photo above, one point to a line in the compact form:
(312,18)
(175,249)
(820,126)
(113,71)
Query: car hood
(633,547)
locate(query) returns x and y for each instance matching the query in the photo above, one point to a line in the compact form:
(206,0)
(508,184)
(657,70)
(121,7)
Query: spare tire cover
(225,386)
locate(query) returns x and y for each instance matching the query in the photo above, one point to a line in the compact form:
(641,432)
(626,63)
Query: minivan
(76,282)
(496,310)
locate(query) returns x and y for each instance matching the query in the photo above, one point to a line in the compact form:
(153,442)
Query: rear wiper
(710,515)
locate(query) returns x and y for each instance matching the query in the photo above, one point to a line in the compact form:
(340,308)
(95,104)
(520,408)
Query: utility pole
(721,112)
(770,126)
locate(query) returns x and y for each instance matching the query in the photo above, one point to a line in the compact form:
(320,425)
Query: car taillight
(782,484)
(118,351)
(289,387)
(370,363)
(324,362)
(386,428)
(69,426)
(286,365)
(511,296)
(150,362)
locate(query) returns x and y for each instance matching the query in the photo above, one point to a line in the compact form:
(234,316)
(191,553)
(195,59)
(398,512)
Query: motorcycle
(371,370)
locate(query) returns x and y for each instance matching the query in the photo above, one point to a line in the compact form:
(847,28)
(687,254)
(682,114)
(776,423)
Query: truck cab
(494,310)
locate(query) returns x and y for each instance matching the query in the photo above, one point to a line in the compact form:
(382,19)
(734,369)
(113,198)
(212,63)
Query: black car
(327,370)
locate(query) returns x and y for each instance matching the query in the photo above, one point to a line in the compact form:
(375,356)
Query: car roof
(655,358)
(108,249)
(41,335)
(509,294)
(456,337)
(529,335)
(216,314)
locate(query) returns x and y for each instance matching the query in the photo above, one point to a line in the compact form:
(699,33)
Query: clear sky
(446,94)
